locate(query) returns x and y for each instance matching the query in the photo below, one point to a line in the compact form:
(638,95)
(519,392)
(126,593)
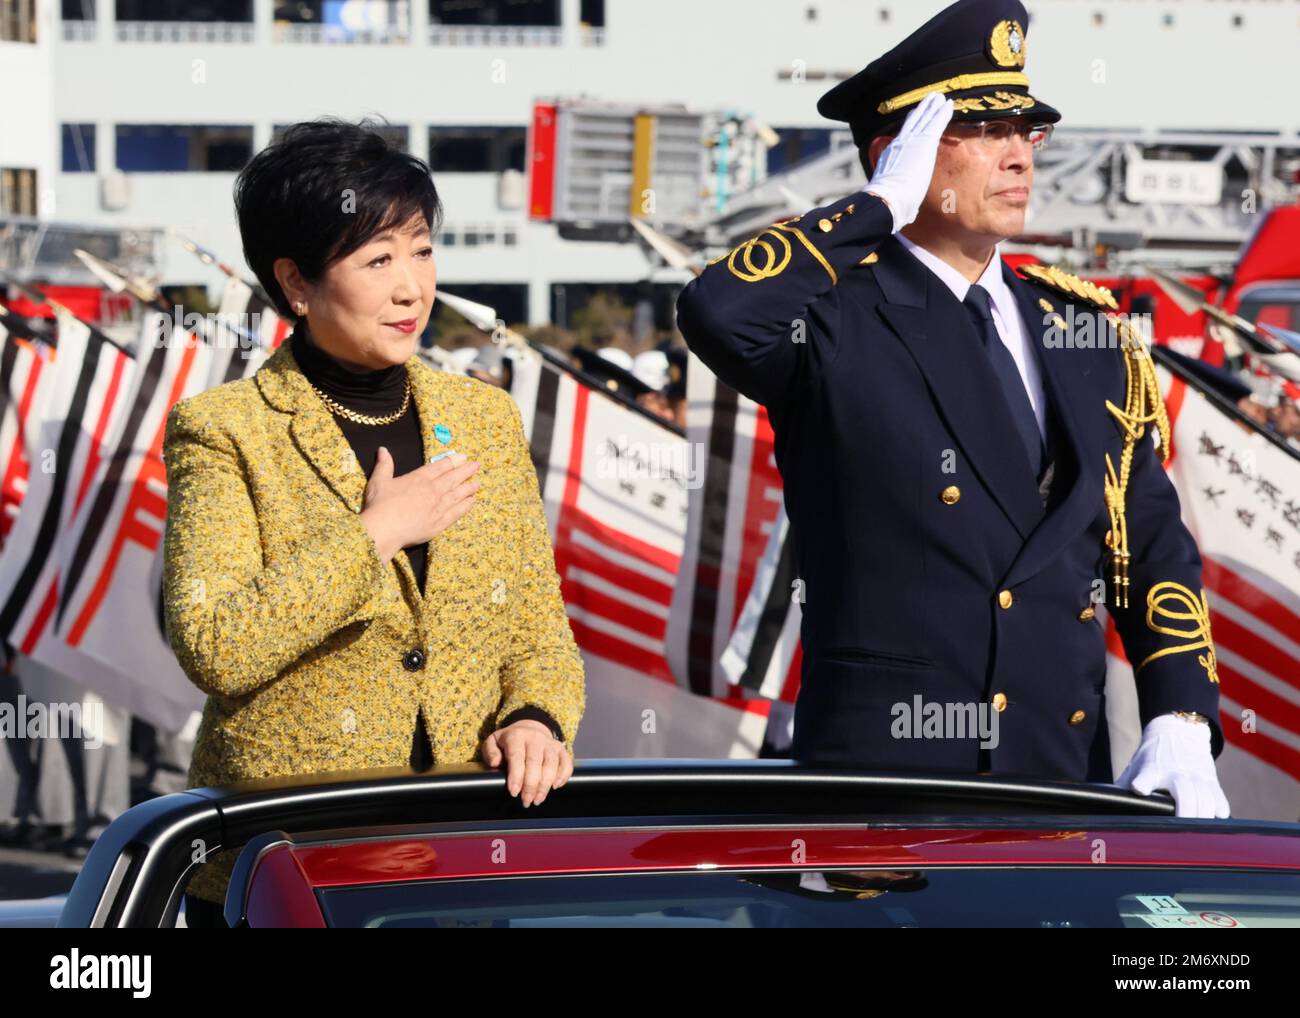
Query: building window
(79,23)
(796,145)
(17,20)
(395,134)
(495,12)
(477,235)
(17,192)
(505,23)
(183,148)
(78,148)
(335,21)
(185,10)
(591,23)
(477,149)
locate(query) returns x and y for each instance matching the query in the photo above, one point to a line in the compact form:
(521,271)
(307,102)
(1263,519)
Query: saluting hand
(905,167)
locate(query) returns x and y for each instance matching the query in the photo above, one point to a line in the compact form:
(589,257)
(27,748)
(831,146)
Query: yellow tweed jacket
(279,607)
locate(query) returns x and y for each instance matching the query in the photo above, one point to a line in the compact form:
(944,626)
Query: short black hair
(864,140)
(864,158)
(292,199)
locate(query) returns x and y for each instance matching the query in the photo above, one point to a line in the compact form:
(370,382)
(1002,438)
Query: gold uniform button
(825,225)
(1077,717)
(1005,599)
(1088,613)
(999,702)
(950,494)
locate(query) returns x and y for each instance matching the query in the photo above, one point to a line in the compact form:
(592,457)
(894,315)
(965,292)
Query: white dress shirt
(1006,317)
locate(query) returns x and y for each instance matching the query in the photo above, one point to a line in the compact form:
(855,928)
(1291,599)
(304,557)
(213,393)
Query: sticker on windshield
(1191,920)
(1161,904)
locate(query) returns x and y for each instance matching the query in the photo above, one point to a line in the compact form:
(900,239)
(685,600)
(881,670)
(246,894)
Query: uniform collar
(991,278)
(934,329)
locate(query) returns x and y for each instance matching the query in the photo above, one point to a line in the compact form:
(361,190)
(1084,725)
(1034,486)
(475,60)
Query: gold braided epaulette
(1067,284)
(1143,405)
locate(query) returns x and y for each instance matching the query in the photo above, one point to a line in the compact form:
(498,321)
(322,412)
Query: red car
(693,843)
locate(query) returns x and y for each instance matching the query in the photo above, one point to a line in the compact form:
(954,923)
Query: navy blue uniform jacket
(932,567)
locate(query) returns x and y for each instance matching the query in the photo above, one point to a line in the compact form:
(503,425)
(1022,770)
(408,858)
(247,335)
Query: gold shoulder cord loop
(1142,405)
(777,251)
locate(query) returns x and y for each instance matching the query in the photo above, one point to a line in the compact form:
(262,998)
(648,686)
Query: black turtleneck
(377,394)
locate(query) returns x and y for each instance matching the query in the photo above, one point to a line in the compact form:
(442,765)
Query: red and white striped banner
(109,557)
(239,304)
(734,509)
(26,372)
(617,486)
(82,416)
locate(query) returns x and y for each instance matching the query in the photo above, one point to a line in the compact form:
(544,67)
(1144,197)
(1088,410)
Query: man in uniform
(967,474)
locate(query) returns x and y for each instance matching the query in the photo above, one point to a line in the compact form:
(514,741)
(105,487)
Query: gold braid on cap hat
(955,84)
(1006,47)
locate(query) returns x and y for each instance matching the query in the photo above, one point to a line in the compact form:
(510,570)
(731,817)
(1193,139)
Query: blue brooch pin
(442,433)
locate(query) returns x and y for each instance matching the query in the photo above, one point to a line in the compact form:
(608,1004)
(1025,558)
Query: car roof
(134,873)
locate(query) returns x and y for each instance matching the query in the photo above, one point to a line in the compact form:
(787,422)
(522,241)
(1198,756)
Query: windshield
(1099,896)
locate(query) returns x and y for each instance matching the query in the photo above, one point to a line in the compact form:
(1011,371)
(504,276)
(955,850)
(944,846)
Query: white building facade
(139,116)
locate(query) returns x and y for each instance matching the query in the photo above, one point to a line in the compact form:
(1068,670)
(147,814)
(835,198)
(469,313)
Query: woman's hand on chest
(417,506)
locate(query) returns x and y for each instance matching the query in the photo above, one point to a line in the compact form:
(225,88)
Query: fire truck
(1219,213)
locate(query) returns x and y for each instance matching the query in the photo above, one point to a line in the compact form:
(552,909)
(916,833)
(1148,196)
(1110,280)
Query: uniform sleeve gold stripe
(1194,618)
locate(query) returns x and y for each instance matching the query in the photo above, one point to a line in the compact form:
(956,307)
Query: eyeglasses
(995,135)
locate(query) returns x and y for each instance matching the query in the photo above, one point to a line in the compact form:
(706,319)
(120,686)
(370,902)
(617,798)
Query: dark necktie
(1004,366)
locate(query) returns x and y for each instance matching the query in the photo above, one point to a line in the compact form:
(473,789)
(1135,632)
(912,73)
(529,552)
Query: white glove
(1175,755)
(905,167)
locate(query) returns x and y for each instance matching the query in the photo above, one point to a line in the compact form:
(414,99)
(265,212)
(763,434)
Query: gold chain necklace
(360,418)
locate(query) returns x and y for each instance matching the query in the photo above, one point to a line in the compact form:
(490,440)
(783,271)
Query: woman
(345,594)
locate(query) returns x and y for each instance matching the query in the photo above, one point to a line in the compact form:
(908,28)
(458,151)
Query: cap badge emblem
(1007,44)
